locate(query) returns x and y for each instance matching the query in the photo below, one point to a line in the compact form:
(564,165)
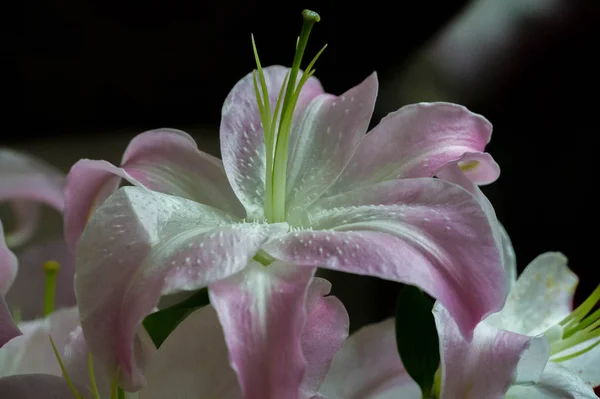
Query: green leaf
(416,337)
(160,324)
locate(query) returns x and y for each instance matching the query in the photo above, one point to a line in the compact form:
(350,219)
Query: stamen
(578,328)
(51,269)
(92,377)
(64,371)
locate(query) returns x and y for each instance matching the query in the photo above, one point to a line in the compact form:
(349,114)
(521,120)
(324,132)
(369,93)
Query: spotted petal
(490,363)
(242,136)
(424,232)
(541,297)
(142,244)
(325,138)
(368,366)
(27,181)
(416,141)
(262,311)
(165,160)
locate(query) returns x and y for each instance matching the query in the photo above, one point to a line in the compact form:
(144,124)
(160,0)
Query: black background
(79,70)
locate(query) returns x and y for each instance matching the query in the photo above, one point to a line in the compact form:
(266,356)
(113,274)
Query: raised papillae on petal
(416,141)
(242,135)
(141,244)
(424,232)
(25,182)
(164,160)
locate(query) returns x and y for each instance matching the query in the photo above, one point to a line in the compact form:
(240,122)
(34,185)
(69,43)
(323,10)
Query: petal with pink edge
(262,311)
(324,334)
(27,292)
(26,180)
(541,297)
(324,139)
(242,136)
(368,366)
(144,244)
(416,141)
(164,160)
(423,232)
(193,362)
(31,352)
(34,386)
(556,383)
(489,364)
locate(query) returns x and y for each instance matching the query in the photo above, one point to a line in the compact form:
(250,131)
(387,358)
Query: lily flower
(300,186)
(536,347)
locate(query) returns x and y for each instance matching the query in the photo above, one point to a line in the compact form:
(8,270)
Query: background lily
(510,355)
(301,183)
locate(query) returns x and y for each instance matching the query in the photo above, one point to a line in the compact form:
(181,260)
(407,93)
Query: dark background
(84,77)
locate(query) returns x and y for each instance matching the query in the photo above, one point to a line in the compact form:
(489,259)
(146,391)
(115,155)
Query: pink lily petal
(143,244)
(324,334)
(541,297)
(26,178)
(556,382)
(8,328)
(8,265)
(27,292)
(325,138)
(34,386)
(425,232)
(193,362)
(31,352)
(262,311)
(165,160)
(416,141)
(487,366)
(242,136)
(75,358)
(368,366)
(586,365)
(26,214)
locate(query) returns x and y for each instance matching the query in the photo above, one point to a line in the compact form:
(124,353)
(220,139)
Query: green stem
(51,269)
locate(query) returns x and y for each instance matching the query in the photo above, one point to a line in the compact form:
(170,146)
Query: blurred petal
(193,362)
(34,386)
(8,265)
(25,177)
(26,214)
(142,244)
(416,141)
(242,136)
(324,140)
(368,366)
(324,334)
(262,311)
(488,365)
(31,352)
(27,292)
(586,365)
(541,297)
(424,232)
(510,259)
(8,329)
(556,382)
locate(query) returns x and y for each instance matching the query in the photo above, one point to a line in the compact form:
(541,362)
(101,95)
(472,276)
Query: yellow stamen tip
(469,165)
(51,266)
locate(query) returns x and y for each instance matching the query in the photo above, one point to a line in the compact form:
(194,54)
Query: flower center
(579,329)
(277,124)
